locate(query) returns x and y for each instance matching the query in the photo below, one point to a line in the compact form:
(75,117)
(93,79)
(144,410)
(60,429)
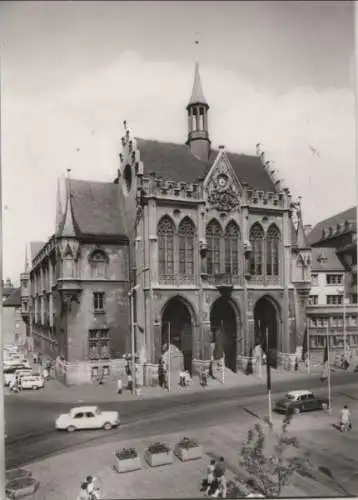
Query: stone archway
(177,328)
(224,329)
(266,317)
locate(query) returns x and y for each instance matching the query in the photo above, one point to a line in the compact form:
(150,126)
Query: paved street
(34,437)
(60,479)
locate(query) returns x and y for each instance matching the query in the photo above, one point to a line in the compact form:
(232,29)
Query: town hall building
(205,247)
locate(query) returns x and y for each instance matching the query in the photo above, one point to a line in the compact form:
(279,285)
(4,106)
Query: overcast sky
(279,73)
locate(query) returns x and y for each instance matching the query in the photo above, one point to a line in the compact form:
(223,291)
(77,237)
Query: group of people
(214,485)
(89,491)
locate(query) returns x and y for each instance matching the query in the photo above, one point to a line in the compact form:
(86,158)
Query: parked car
(32,381)
(10,373)
(297,402)
(87,417)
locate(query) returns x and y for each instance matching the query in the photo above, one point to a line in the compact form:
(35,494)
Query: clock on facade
(222,180)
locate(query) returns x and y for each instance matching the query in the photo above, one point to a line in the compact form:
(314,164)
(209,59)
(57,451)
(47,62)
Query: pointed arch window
(232,237)
(272,251)
(213,239)
(166,232)
(99,264)
(256,240)
(186,247)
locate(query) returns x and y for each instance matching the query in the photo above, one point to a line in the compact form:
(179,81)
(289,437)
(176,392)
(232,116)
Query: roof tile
(96,208)
(316,234)
(325,259)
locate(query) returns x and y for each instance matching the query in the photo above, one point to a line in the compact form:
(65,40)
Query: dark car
(296,402)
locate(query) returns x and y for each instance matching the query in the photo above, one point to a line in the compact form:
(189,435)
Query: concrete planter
(22,487)
(128,464)
(157,459)
(186,454)
(17,474)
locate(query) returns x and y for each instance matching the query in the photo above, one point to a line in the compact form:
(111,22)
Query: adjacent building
(206,243)
(13,327)
(332,309)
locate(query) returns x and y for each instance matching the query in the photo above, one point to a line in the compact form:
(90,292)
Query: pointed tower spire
(26,261)
(68,228)
(301,238)
(197,108)
(59,209)
(197,95)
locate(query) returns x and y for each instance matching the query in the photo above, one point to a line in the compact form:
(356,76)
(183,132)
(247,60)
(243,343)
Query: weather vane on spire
(197,44)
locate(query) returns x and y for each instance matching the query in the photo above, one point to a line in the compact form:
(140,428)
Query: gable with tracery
(222,188)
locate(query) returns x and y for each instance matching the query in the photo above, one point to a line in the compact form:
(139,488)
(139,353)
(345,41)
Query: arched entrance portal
(223,327)
(266,327)
(177,328)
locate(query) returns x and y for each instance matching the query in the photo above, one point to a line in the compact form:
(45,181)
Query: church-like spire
(26,261)
(198,131)
(301,239)
(197,95)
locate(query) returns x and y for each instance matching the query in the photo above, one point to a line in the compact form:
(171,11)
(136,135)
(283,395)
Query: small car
(32,382)
(87,417)
(296,402)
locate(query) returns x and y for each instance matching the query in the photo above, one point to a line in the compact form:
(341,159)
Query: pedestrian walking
(119,386)
(219,470)
(130,383)
(161,378)
(207,481)
(83,495)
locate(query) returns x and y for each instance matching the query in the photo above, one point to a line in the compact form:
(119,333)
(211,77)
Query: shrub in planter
(188,449)
(127,460)
(158,454)
(22,486)
(17,473)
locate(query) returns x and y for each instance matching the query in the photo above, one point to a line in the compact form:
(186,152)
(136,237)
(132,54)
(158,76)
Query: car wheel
(71,428)
(297,411)
(107,426)
(324,406)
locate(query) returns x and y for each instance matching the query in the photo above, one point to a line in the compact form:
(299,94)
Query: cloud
(42,133)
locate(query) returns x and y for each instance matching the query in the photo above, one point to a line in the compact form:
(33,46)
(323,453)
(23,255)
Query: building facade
(217,255)
(332,308)
(208,243)
(79,284)
(13,327)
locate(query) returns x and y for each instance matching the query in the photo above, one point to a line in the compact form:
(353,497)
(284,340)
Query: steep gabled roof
(325,259)
(13,300)
(316,235)
(95,208)
(175,162)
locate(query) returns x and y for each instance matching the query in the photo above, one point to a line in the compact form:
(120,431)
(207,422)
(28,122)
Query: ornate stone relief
(222,190)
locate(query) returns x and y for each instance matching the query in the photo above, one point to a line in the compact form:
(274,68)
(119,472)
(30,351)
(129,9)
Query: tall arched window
(99,264)
(256,240)
(186,247)
(272,251)
(232,237)
(213,238)
(166,230)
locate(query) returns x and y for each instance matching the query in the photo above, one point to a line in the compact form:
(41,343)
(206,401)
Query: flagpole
(268,381)
(169,356)
(308,350)
(329,375)
(223,358)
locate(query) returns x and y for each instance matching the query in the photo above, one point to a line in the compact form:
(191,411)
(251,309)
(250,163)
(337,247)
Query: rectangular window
(314,279)
(98,301)
(354,298)
(334,300)
(99,344)
(313,300)
(334,279)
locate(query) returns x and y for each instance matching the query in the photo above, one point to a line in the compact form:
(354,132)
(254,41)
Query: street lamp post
(133,327)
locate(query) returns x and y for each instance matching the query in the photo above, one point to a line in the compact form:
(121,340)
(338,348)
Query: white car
(87,417)
(32,382)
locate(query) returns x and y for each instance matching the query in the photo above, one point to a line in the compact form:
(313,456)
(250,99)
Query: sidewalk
(55,391)
(60,476)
